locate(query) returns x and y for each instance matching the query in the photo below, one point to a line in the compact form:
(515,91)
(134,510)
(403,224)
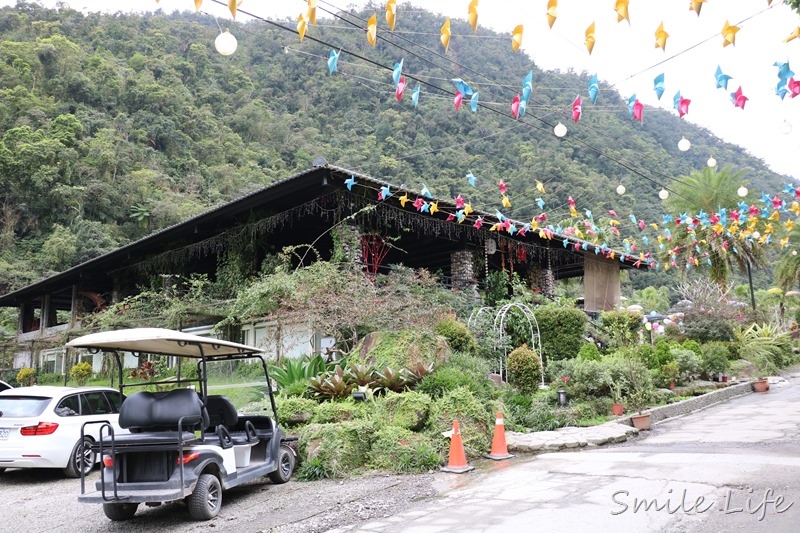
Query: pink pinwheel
(459,202)
(502,187)
(457,100)
(418,203)
(638,110)
(401,86)
(577,109)
(683,106)
(738,98)
(515,106)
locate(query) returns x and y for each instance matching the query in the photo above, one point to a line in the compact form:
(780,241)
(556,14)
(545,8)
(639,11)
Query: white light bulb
(560,130)
(620,189)
(684,144)
(711,162)
(742,191)
(225,43)
(756,235)
(663,194)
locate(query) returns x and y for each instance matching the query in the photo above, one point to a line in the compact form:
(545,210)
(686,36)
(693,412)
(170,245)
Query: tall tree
(699,196)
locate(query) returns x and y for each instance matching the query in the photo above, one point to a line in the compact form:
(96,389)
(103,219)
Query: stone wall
(461,269)
(693,404)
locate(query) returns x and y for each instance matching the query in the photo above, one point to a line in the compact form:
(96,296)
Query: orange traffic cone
(499,448)
(457,462)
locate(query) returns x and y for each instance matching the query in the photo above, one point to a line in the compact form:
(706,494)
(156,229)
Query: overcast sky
(625,54)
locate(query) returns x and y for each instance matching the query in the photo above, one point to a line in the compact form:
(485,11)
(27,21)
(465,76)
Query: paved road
(731,467)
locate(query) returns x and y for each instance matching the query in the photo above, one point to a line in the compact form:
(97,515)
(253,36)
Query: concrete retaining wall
(693,404)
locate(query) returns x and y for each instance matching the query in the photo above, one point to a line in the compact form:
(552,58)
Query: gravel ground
(43,501)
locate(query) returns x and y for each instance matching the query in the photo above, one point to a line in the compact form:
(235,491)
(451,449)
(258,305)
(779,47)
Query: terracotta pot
(617,409)
(760,385)
(724,378)
(672,385)
(641,421)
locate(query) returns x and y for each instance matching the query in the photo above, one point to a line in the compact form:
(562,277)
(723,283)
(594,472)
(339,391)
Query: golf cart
(184,444)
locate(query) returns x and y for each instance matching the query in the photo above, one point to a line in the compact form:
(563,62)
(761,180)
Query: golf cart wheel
(119,512)
(206,500)
(81,460)
(285,466)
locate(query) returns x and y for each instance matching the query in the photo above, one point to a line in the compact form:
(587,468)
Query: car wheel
(285,466)
(81,459)
(119,512)
(206,500)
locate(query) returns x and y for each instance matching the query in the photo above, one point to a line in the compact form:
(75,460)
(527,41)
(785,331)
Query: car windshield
(22,406)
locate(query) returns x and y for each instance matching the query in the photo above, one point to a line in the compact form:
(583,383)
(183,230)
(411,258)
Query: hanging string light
(620,189)
(560,130)
(663,194)
(711,162)
(225,43)
(742,191)
(684,144)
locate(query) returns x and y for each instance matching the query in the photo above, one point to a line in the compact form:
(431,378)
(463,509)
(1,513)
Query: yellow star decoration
(403,199)
(784,242)
(540,186)
(729,34)
(789,225)
(774,216)
(467,210)
(795,208)
(434,207)
(506,201)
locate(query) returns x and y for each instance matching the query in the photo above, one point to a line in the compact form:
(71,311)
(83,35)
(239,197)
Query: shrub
(49,379)
(524,369)
(714,358)
(400,349)
(622,327)
(294,410)
(706,327)
(457,334)
(476,422)
(408,410)
(340,448)
(689,364)
(669,373)
(26,377)
(589,379)
(590,352)
(543,414)
(462,370)
(765,346)
(400,450)
(693,345)
(339,411)
(661,355)
(291,371)
(562,331)
(81,373)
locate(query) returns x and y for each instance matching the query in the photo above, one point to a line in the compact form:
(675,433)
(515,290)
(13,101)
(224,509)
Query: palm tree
(787,268)
(707,191)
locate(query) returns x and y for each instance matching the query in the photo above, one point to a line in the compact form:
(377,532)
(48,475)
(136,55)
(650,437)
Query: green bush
(400,349)
(475,420)
(408,410)
(524,369)
(693,345)
(81,373)
(457,334)
(562,331)
(50,379)
(543,414)
(689,364)
(622,327)
(462,370)
(294,410)
(706,328)
(590,352)
(589,379)
(340,411)
(26,377)
(714,358)
(400,450)
(340,448)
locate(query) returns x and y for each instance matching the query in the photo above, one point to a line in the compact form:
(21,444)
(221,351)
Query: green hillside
(113,126)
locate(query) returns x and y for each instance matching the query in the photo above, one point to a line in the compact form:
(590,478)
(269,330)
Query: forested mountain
(113,126)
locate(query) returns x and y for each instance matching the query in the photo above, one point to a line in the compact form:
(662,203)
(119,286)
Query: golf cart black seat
(168,418)
(224,421)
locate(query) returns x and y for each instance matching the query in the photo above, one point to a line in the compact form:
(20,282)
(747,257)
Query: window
(68,406)
(23,406)
(97,402)
(115,398)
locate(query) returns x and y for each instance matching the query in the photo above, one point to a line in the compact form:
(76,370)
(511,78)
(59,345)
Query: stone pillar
(462,273)
(347,242)
(541,277)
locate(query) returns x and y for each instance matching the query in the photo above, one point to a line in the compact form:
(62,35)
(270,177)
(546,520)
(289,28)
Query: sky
(624,55)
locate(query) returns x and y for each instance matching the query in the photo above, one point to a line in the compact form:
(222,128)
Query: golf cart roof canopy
(161,341)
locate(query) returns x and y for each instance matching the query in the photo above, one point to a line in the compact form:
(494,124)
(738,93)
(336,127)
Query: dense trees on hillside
(113,126)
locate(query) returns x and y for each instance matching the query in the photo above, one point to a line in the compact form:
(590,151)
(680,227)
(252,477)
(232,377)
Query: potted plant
(760,385)
(639,393)
(670,372)
(617,408)
(638,400)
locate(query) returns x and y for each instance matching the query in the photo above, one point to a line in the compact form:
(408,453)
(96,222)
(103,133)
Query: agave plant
(360,376)
(414,374)
(764,345)
(389,379)
(331,385)
(291,371)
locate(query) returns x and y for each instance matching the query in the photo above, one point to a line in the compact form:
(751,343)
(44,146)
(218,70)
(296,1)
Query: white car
(40,426)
